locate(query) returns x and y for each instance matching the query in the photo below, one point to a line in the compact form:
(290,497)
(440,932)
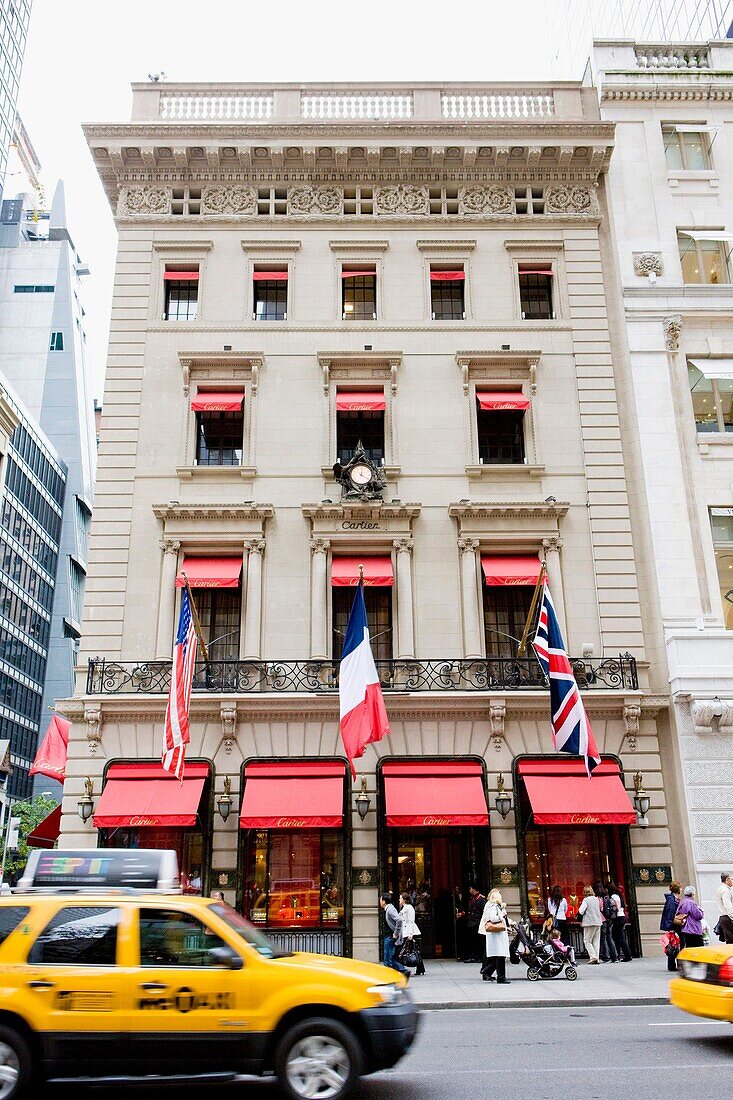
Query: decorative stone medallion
(568,200)
(146,200)
(646,263)
(485,200)
(400,199)
(316,201)
(228,200)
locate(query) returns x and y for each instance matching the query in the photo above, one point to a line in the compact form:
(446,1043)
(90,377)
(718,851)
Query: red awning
(181,276)
(46,833)
(351,401)
(270,276)
(525,270)
(510,570)
(561,793)
(293,795)
(447,276)
(217,402)
(356,274)
(377,571)
(138,796)
(502,400)
(446,792)
(53,750)
(210,572)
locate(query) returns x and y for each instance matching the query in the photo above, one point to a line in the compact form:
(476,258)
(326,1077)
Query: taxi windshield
(248,932)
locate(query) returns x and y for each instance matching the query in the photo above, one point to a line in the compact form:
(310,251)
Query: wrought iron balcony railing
(321,677)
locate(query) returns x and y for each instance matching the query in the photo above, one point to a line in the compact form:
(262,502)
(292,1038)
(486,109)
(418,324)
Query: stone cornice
(515,509)
(270,244)
(374,510)
(360,245)
(186,245)
(498,358)
(213,511)
(488,131)
(709,91)
(534,245)
(446,246)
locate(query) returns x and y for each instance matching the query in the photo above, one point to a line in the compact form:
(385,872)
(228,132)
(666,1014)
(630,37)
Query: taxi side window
(80,936)
(10,918)
(171,938)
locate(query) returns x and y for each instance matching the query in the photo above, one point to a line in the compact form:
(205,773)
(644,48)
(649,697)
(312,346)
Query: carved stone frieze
(648,263)
(228,725)
(632,714)
(228,200)
(146,200)
(93,719)
(713,716)
(672,332)
(316,202)
(400,199)
(569,200)
(497,715)
(485,200)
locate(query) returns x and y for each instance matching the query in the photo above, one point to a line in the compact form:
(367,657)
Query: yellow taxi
(105,972)
(705,984)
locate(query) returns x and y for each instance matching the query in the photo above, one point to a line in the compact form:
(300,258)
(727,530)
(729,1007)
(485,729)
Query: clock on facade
(360,478)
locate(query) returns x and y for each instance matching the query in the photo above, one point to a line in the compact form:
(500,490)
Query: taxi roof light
(101,869)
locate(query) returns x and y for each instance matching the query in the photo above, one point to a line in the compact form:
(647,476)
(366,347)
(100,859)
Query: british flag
(176,735)
(571,729)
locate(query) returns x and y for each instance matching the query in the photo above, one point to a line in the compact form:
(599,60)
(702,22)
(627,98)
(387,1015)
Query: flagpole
(196,623)
(522,649)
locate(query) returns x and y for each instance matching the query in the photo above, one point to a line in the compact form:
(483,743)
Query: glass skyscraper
(573,24)
(14,19)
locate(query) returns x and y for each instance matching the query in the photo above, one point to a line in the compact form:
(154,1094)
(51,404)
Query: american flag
(571,729)
(176,735)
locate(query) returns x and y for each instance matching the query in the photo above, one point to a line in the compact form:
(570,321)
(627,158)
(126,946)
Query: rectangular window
(712,401)
(270,294)
(30,288)
(360,419)
(295,878)
(500,435)
(378,600)
(219,438)
(721,520)
(181,294)
(447,293)
(78,936)
(56,342)
(169,937)
(505,613)
(220,614)
(688,151)
(702,261)
(535,291)
(359,294)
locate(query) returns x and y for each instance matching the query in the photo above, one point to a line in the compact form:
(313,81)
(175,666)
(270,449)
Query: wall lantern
(642,801)
(363,801)
(85,805)
(503,800)
(224,801)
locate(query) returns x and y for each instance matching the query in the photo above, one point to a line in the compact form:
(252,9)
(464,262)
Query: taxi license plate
(695,971)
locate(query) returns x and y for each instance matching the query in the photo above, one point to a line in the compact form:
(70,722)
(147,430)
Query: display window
(295,879)
(572,858)
(188,844)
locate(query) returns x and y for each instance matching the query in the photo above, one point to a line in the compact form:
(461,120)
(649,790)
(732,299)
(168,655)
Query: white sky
(82,55)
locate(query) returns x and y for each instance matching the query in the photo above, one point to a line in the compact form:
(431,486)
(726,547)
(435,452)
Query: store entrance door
(435,867)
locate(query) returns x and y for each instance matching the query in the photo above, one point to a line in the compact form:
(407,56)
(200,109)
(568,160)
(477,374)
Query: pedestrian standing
(607,951)
(618,926)
(557,907)
(476,904)
(494,926)
(690,932)
(391,917)
(724,901)
(407,933)
(592,919)
(671,901)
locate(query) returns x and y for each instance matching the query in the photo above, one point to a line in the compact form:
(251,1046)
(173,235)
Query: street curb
(590,1002)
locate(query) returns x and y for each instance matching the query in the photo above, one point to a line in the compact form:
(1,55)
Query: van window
(80,936)
(10,918)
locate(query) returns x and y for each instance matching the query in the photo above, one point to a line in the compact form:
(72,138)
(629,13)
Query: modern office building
(573,24)
(670,187)
(34,486)
(14,19)
(426,271)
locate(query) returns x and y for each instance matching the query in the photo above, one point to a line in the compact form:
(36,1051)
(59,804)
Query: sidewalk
(459,985)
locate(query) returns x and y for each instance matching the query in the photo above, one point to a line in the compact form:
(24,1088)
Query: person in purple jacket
(691,933)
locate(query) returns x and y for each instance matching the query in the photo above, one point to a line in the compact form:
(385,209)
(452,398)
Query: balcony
(322,677)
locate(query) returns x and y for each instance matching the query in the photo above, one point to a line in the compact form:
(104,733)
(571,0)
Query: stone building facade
(426,271)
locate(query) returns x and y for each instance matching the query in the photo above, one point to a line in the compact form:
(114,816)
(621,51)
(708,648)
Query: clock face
(360,474)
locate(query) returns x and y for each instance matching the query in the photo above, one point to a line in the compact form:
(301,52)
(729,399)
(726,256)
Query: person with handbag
(592,917)
(494,926)
(557,907)
(618,925)
(687,921)
(671,901)
(407,936)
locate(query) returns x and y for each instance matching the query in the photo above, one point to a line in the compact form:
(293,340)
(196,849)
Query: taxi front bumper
(391,1030)
(702,998)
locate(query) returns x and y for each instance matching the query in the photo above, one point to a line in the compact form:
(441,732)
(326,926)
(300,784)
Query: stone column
(405,613)
(319,599)
(469,596)
(551,549)
(253,606)
(167,606)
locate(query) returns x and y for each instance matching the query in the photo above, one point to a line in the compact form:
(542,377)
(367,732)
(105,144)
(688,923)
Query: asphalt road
(537,1053)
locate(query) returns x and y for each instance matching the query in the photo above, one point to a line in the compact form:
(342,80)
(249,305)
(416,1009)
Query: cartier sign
(138,821)
(436,821)
(584,819)
(290,823)
(359,525)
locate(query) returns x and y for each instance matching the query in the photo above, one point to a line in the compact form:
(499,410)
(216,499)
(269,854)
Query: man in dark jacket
(476,904)
(391,917)
(671,901)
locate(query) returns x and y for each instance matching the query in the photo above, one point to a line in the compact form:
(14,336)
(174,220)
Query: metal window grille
(505,615)
(447,301)
(378,602)
(364,426)
(359,298)
(271,300)
(219,438)
(535,295)
(181,299)
(500,435)
(220,611)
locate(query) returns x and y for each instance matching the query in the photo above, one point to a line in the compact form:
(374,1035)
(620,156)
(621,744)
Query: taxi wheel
(15,1064)
(320,1059)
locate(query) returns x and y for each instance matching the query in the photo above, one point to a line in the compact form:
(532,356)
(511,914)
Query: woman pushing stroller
(495,927)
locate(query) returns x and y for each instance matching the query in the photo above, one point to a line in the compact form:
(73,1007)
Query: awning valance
(560,793)
(218,401)
(447,276)
(140,795)
(353,401)
(210,572)
(52,753)
(377,571)
(270,276)
(504,569)
(181,276)
(293,795)
(714,368)
(434,794)
(356,274)
(46,833)
(526,269)
(705,234)
(502,400)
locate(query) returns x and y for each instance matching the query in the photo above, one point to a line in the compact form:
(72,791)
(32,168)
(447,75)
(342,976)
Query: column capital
(553,544)
(468,546)
(254,546)
(320,546)
(403,546)
(672,331)
(169,546)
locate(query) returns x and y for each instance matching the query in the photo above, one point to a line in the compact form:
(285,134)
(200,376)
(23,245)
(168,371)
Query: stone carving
(468,546)
(146,200)
(228,200)
(228,725)
(672,332)
(485,200)
(632,714)
(401,198)
(647,263)
(568,200)
(707,721)
(320,546)
(93,719)
(255,546)
(316,201)
(497,714)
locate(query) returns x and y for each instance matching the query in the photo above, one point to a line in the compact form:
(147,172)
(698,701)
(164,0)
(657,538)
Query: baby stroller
(542,959)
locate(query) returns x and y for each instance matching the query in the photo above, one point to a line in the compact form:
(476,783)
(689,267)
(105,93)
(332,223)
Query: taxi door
(187,1011)
(72,981)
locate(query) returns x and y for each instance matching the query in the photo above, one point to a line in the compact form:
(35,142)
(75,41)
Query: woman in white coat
(407,929)
(497,939)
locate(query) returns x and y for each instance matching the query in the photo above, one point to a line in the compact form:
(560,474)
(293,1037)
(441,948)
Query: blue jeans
(389,959)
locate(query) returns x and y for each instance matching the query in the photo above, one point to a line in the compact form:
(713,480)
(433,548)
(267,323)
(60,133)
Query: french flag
(363,714)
